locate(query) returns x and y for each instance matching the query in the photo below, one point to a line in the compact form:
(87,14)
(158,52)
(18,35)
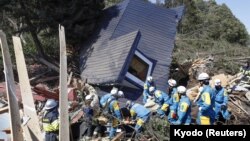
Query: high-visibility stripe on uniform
(50,127)
(116,106)
(184,107)
(164,107)
(132,113)
(205,120)
(206,98)
(140,122)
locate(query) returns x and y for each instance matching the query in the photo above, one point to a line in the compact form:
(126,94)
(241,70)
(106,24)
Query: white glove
(200,108)
(200,89)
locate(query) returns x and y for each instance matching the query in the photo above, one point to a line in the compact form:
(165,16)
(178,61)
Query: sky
(239,8)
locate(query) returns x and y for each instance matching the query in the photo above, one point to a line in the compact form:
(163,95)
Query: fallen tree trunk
(48,64)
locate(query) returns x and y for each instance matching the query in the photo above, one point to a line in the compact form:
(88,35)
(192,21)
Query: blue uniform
(184,111)
(141,113)
(162,99)
(114,109)
(146,92)
(173,102)
(206,115)
(104,99)
(221,98)
(51,124)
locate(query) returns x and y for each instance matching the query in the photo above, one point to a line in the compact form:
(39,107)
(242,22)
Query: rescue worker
(184,108)
(173,101)
(138,113)
(146,94)
(50,120)
(112,109)
(221,100)
(110,95)
(246,68)
(162,99)
(89,117)
(205,102)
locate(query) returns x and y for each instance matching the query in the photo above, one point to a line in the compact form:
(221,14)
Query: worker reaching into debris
(205,101)
(139,113)
(111,108)
(246,68)
(50,120)
(146,94)
(162,99)
(221,100)
(173,101)
(104,99)
(184,108)
(91,121)
(88,116)
(245,72)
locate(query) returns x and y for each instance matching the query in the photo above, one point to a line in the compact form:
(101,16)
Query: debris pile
(237,86)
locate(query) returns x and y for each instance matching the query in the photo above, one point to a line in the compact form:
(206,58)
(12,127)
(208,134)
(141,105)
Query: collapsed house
(134,39)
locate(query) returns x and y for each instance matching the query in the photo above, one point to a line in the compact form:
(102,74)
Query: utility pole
(15,122)
(63,97)
(31,129)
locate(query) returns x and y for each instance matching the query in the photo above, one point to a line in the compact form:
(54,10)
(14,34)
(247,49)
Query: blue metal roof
(128,26)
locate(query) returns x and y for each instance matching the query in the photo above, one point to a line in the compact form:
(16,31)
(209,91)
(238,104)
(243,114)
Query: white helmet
(217,82)
(149,78)
(151,89)
(181,89)
(89,97)
(50,104)
(172,82)
(120,94)
(203,76)
(114,91)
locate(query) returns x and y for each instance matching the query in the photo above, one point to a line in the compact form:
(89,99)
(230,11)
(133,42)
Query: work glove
(200,108)
(223,107)
(126,122)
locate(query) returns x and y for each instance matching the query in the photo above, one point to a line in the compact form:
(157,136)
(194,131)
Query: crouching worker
(147,85)
(221,100)
(111,109)
(162,99)
(138,113)
(184,108)
(50,120)
(92,124)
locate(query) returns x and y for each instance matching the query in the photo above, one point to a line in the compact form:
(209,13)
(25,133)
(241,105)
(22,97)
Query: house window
(139,68)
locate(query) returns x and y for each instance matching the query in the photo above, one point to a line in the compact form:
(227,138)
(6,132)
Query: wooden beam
(63,96)
(69,79)
(118,137)
(15,122)
(50,65)
(34,132)
(4,110)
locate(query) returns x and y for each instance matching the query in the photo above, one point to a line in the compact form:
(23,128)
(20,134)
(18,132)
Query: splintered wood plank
(63,96)
(4,110)
(33,132)
(15,123)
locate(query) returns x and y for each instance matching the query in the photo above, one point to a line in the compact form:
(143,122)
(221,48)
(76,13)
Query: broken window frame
(150,66)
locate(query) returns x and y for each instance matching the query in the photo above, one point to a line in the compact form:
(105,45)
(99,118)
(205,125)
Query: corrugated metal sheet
(157,26)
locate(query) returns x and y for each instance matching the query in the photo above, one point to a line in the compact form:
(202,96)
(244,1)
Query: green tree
(40,18)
